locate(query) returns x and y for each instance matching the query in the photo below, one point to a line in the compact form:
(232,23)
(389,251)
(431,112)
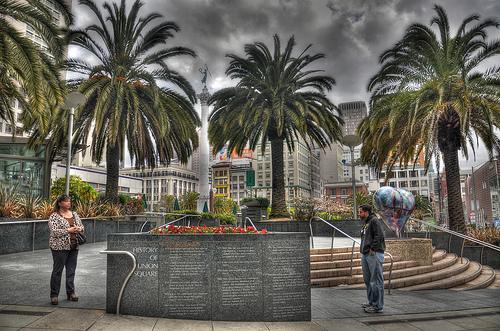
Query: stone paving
(25,305)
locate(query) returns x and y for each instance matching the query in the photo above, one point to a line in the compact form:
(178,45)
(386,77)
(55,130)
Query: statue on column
(205,72)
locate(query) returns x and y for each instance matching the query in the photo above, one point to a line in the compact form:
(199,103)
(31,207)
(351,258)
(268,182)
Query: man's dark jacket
(372,235)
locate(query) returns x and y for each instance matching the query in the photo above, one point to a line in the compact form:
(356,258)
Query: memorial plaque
(184,289)
(287,289)
(140,297)
(236,281)
(221,277)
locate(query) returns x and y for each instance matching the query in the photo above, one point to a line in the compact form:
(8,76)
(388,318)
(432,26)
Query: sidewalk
(24,303)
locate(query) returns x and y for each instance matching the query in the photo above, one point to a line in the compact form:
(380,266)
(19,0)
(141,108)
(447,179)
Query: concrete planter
(220,277)
(252,203)
(441,240)
(22,235)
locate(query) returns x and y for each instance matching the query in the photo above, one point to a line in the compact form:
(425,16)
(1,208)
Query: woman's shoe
(72,297)
(54,301)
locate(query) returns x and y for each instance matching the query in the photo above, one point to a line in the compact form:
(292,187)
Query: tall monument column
(204,150)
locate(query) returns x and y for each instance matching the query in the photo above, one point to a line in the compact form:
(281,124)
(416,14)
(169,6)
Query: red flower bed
(172,229)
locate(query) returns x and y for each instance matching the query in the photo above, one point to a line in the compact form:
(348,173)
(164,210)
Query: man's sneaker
(366,305)
(373,310)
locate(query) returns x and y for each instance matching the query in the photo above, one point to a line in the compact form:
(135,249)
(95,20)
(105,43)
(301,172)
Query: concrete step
(400,277)
(357,269)
(320,251)
(336,256)
(495,285)
(321,265)
(469,270)
(485,279)
(323,273)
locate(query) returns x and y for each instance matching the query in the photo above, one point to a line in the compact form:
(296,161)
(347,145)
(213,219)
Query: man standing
(372,249)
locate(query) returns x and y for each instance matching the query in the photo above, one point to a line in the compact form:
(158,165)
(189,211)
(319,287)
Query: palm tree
(29,74)
(430,97)
(125,105)
(275,100)
(423,206)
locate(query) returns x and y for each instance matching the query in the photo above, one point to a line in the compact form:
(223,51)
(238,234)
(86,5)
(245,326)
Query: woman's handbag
(80,238)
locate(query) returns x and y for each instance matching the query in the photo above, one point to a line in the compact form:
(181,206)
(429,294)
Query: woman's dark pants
(63,259)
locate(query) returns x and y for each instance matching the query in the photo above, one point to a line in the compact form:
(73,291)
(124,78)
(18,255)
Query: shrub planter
(220,277)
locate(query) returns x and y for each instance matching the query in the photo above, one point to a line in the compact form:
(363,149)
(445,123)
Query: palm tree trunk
(278,209)
(455,208)
(112,172)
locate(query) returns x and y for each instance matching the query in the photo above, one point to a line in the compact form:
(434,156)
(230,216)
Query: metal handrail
(460,235)
(180,219)
(126,279)
(250,220)
(353,244)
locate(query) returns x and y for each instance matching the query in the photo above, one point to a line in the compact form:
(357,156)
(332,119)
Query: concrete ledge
(26,235)
(441,240)
(412,249)
(219,277)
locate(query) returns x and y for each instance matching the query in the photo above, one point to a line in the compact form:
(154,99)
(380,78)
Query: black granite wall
(222,277)
(351,227)
(18,235)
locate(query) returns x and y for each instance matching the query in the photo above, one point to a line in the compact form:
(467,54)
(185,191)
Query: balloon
(394,206)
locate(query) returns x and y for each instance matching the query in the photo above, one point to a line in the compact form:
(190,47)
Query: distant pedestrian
(372,250)
(64,225)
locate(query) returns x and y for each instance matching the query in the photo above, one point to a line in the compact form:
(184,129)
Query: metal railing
(126,279)
(457,234)
(245,223)
(354,242)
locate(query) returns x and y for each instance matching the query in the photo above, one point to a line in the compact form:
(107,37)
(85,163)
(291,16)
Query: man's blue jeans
(373,275)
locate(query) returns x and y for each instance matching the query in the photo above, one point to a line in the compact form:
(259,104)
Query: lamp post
(73,100)
(352,140)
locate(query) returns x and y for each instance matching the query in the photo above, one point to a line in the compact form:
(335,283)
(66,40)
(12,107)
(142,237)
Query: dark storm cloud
(351,33)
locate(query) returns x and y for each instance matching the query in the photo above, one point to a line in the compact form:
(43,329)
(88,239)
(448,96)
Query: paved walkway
(24,303)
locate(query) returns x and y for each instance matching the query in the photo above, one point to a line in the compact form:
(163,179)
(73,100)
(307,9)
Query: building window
(268,183)
(423,182)
(268,166)
(290,173)
(343,191)
(268,175)
(414,183)
(268,157)
(413,173)
(402,174)
(259,166)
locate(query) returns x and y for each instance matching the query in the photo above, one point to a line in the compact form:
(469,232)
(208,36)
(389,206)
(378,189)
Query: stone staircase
(448,271)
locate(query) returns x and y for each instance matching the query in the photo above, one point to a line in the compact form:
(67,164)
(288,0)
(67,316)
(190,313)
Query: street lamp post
(352,141)
(73,100)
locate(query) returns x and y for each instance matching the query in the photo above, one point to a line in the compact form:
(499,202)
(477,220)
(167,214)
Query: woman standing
(64,225)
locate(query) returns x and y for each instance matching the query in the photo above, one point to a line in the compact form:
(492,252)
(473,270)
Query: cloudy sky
(351,33)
